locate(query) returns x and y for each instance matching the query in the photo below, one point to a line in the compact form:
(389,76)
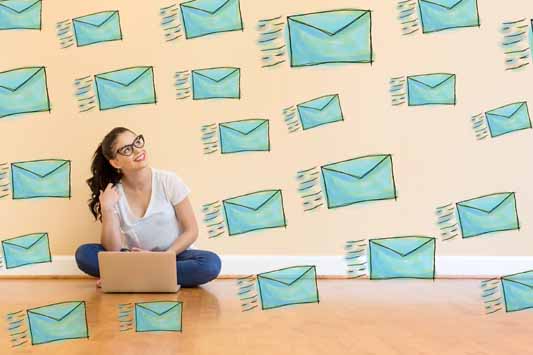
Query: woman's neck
(138,180)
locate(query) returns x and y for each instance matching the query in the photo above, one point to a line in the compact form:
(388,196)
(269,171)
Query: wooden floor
(353,317)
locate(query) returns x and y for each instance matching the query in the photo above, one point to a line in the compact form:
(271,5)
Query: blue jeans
(195,267)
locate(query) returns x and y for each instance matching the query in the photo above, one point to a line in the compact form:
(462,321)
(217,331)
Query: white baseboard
(446,266)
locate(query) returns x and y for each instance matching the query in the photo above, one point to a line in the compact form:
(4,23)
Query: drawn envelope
(41,178)
(508,118)
(60,321)
(254,211)
(97,28)
(320,111)
(288,286)
(216,83)
(125,87)
(23,90)
(518,291)
(244,136)
(431,89)
(402,257)
(339,36)
(26,250)
(158,316)
(20,14)
(204,17)
(357,180)
(438,15)
(487,214)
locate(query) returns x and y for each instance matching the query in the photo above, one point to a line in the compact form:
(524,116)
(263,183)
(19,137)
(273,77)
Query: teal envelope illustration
(363,179)
(40,178)
(402,257)
(488,214)
(338,36)
(125,87)
(216,83)
(518,291)
(288,286)
(23,90)
(431,89)
(59,321)
(244,136)
(439,15)
(205,17)
(97,28)
(254,211)
(158,316)
(508,118)
(26,250)
(20,14)
(320,111)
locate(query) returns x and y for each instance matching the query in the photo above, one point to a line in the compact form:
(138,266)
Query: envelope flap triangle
(330,22)
(25,241)
(524,278)
(358,167)
(286,276)
(210,6)
(487,203)
(56,311)
(19,5)
(402,245)
(253,201)
(216,74)
(158,308)
(448,4)
(318,103)
(507,110)
(41,168)
(245,126)
(14,79)
(124,76)
(97,19)
(431,80)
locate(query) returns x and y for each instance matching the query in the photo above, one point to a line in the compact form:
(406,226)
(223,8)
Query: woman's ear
(114,163)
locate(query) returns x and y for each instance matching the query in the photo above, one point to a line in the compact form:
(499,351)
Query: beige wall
(436,158)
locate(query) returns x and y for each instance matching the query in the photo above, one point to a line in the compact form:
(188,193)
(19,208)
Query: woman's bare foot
(99,283)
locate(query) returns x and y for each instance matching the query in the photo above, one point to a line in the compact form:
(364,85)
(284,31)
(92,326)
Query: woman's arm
(188,225)
(110,237)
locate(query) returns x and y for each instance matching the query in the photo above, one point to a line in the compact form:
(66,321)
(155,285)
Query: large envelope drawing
(438,15)
(125,87)
(509,118)
(20,14)
(518,291)
(362,179)
(338,36)
(488,214)
(402,257)
(216,83)
(60,321)
(244,136)
(40,178)
(254,211)
(320,111)
(158,316)
(431,89)
(97,28)
(23,90)
(204,17)
(26,250)
(288,286)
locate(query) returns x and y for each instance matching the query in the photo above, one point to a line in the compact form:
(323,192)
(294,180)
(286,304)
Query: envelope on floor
(292,285)
(216,83)
(320,111)
(26,250)
(438,15)
(402,257)
(60,321)
(158,316)
(339,36)
(431,89)
(41,178)
(518,291)
(20,14)
(244,136)
(96,28)
(508,118)
(23,90)
(254,211)
(204,17)
(487,214)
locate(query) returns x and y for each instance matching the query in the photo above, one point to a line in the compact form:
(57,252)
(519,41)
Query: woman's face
(133,151)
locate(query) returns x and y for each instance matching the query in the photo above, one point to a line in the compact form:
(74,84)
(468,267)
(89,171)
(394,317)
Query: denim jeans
(194,267)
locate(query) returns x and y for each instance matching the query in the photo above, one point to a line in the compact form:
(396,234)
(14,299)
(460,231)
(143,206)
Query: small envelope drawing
(320,111)
(244,136)
(431,89)
(509,118)
(518,291)
(97,28)
(216,83)
(20,14)
(23,90)
(26,250)
(158,316)
(205,17)
(40,178)
(439,15)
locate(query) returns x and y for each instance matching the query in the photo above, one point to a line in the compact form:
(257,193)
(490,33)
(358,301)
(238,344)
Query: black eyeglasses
(127,150)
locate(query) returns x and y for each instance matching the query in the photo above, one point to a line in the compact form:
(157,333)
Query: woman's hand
(108,198)
(137,249)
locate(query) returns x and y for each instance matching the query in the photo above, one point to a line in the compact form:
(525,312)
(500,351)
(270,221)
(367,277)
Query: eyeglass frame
(131,145)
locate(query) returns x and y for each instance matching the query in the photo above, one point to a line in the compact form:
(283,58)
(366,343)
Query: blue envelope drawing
(288,286)
(254,211)
(205,17)
(431,89)
(125,87)
(20,14)
(158,316)
(320,111)
(488,214)
(23,90)
(518,291)
(40,178)
(438,15)
(338,36)
(244,136)
(216,83)
(97,28)
(402,257)
(26,250)
(59,321)
(508,118)
(363,179)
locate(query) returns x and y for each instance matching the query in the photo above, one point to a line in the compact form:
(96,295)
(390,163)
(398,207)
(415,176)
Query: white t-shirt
(159,227)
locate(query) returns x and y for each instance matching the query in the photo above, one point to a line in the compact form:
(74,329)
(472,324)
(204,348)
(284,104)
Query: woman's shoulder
(173,186)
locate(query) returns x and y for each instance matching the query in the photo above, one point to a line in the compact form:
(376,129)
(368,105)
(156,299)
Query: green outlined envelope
(40,178)
(507,119)
(320,111)
(518,291)
(23,90)
(216,83)
(431,89)
(158,316)
(205,17)
(20,14)
(244,136)
(97,28)
(26,250)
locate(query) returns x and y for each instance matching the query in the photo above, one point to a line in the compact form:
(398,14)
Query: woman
(144,208)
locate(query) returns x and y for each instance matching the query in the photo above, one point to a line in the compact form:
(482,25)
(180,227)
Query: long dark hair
(102,170)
